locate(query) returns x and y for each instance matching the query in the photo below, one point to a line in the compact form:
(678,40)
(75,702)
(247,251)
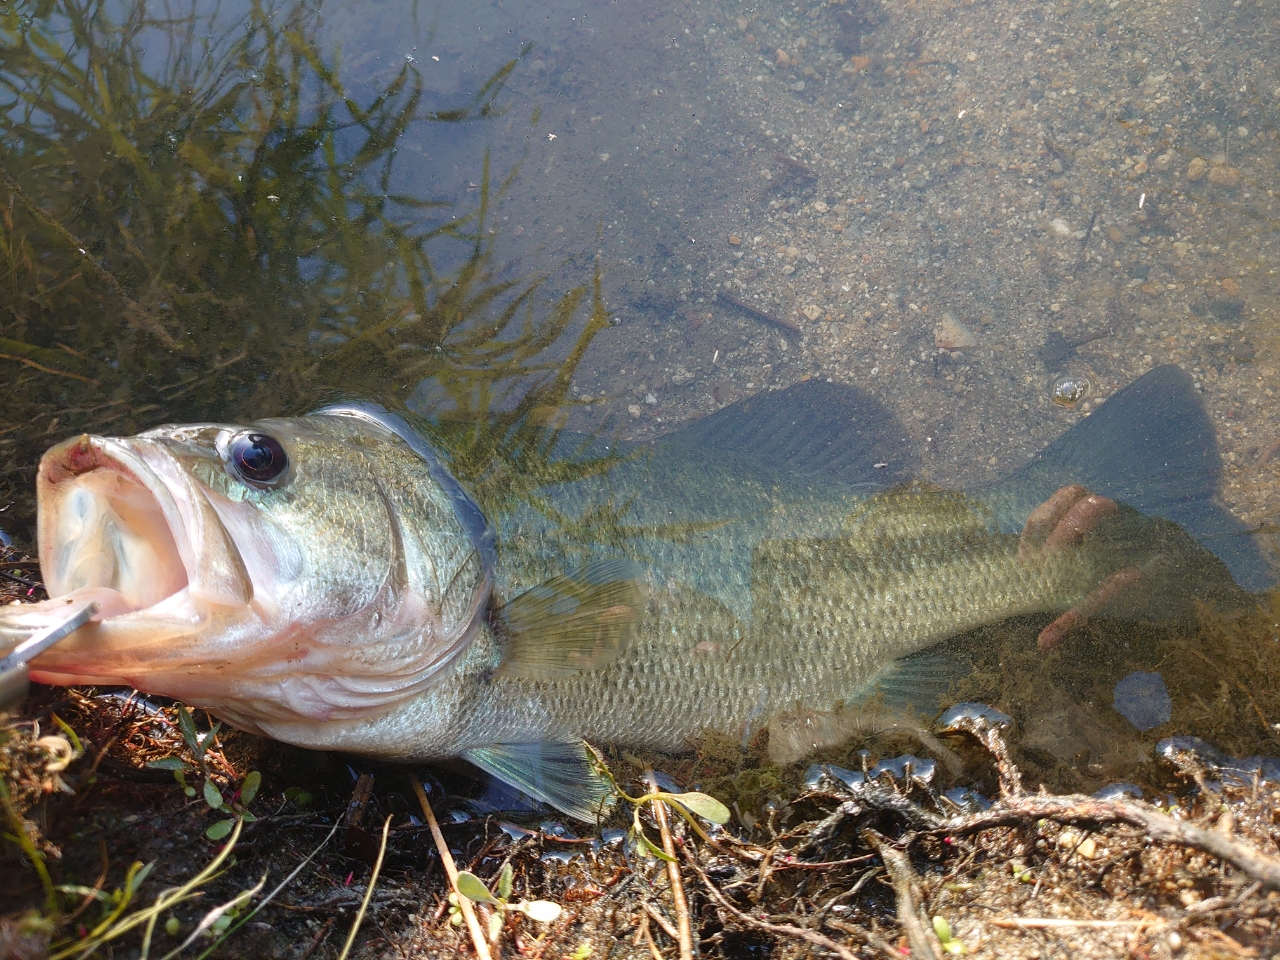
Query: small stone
(813,312)
(820,207)
(1197,168)
(1140,168)
(766,174)
(951,334)
(1164,162)
(1115,234)
(788,270)
(782,59)
(1229,286)
(856,65)
(1224,176)
(1060,228)
(735,240)
(633,409)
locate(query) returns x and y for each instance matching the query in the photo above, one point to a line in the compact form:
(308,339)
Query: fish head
(281,572)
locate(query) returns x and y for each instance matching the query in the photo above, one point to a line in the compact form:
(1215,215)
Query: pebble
(1225,176)
(1060,228)
(813,312)
(1197,168)
(951,334)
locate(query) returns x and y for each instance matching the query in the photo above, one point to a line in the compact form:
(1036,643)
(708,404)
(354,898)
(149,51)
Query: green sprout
(689,805)
(949,942)
(198,744)
(473,888)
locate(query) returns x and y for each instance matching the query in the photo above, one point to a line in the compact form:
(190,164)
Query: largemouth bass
(326,580)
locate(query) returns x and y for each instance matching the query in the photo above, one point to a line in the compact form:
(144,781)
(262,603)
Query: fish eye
(257,458)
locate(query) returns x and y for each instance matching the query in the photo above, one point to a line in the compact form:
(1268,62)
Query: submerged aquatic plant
(199,221)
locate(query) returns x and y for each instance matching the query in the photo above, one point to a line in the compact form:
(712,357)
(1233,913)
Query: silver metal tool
(14,673)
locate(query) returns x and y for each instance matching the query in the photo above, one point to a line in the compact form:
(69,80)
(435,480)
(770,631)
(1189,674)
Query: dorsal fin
(572,623)
(829,433)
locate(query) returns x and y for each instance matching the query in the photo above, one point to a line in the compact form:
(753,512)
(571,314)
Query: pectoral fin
(572,623)
(562,774)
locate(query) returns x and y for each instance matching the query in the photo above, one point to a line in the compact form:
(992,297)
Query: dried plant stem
(1013,811)
(1055,923)
(678,898)
(451,871)
(368,893)
(776,929)
(923,942)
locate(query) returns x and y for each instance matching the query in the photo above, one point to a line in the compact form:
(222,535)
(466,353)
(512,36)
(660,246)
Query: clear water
(215,212)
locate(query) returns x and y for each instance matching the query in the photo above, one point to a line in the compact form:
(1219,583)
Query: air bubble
(1070,390)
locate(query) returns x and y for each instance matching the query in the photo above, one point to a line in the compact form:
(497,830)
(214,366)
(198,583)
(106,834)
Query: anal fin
(562,774)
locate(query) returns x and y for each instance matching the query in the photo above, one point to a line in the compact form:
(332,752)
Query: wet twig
(451,871)
(684,930)
(906,888)
(1021,810)
(781,930)
(762,315)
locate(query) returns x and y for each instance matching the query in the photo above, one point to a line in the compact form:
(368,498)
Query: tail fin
(1153,447)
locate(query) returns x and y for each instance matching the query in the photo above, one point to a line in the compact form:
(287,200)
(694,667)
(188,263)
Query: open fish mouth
(123,524)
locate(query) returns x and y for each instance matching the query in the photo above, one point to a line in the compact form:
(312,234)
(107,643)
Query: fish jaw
(301,605)
(123,524)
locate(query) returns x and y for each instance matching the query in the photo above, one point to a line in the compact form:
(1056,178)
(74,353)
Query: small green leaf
(172,926)
(249,789)
(708,808)
(168,763)
(543,911)
(188,727)
(942,928)
(658,852)
(212,796)
(299,796)
(955,947)
(495,924)
(473,888)
(247,817)
(504,882)
(582,951)
(219,829)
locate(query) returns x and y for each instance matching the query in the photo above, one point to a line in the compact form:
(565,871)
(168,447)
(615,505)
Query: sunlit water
(957,208)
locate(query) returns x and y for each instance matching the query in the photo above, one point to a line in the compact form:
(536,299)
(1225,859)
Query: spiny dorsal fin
(573,623)
(562,774)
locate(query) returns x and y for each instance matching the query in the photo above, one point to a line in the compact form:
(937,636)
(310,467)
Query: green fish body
(327,581)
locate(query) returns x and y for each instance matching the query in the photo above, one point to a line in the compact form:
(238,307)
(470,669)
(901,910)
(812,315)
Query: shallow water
(950,206)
